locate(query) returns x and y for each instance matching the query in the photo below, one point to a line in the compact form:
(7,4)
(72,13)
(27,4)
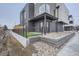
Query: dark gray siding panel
(60,27)
(30,27)
(52,8)
(53,26)
(31,10)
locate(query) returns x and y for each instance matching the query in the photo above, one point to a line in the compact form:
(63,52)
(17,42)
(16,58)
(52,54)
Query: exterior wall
(24,14)
(31,10)
(60,27)
(27,13)
(21,17)
(34,26)
(51,6)
(69,28)
(53,26)
(63,13)
(37,26)
(30,27)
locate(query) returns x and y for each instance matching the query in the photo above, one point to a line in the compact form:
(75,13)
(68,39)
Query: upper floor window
(41,23)
(24,14)
(44,8)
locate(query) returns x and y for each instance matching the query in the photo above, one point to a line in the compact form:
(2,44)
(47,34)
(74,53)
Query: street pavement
(71,48)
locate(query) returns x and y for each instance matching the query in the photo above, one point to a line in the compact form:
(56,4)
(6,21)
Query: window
(24,14)
(41,24)
(44,8)
(54,13)
(47,24)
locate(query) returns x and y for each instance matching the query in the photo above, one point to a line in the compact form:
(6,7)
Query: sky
(10,13)
(74,11)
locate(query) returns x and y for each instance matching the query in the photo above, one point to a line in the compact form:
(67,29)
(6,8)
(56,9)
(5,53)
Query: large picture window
(41,26)
(25,15)
(44,8)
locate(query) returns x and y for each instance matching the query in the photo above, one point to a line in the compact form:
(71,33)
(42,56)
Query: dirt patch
(16,49)
(11,47)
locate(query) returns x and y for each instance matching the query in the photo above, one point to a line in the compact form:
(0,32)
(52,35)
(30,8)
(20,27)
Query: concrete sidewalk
(71,48)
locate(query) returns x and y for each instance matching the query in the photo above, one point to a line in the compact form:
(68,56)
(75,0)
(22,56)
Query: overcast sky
(10,13)
(74,10)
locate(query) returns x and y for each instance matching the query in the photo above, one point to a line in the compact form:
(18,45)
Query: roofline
(41,15)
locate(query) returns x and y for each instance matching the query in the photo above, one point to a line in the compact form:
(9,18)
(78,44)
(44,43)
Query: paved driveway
(71,48)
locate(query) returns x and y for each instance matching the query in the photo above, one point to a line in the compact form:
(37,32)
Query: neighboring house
(44,17)
(18,28)
(77,27)
(70,26)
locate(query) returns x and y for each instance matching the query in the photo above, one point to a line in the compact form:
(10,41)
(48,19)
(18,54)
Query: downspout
(45,25)
(23,21)
(57,18)
(27,22)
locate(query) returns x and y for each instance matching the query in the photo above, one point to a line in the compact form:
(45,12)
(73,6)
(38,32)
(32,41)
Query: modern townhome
(44,17)
(70,26)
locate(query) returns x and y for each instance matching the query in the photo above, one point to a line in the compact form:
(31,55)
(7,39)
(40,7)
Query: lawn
(30,34)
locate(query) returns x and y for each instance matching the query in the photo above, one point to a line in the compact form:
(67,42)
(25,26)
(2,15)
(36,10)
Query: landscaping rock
(43,49)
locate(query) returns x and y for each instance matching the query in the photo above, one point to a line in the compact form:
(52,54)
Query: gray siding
(30,27)
(27,13)
(52,8)
(31,10)
(63,12)
(60,27)
(37,28)
(53,26)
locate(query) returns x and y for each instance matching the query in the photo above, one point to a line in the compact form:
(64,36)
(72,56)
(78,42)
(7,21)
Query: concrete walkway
(71,48)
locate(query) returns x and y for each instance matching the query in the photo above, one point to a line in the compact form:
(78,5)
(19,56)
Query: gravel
(43,49)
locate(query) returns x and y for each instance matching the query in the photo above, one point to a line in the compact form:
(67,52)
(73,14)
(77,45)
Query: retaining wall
(54,42)
(34,39)
(24,41)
